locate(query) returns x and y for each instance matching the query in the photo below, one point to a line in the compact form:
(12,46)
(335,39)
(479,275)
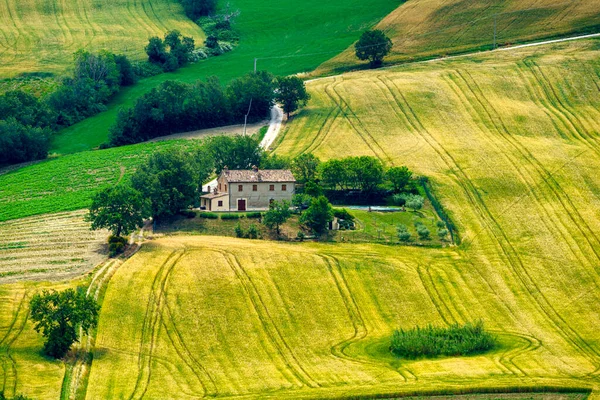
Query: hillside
(307,36)
(41,36)
(423,29)
(194,317)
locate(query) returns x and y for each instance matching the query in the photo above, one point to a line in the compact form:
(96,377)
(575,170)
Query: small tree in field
(58,316)
(373,46)
(291,93)
(120,209)
(403,233)
(318,216)
(279,212)
(415,202)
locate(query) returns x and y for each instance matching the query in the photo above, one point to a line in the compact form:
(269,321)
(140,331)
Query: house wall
(259,199)
(215,204)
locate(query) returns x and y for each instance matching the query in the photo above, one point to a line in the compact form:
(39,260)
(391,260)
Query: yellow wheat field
(42,35)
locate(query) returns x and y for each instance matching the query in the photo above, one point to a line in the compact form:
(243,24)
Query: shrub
(252,232)
(343,214)
(239,232)
(415,202)
(300,235)
(208,215)
(431,341)
(230,216)
(440,224)
(146,69)
(403,233)
(399,199)
(442,233)
(117,239)
(115,249)
(253,215)
(188,213)
(423,232)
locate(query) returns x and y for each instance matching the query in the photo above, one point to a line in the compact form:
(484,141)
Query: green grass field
(423,29)
(43,35)
(315,31)
(68,183)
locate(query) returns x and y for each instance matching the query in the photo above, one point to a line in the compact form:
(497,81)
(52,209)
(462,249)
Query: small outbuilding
(249,190)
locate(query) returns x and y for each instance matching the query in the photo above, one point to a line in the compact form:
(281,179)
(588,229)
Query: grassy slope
(428,28)
(43,35)
(312,321)
(267,29)
(69,182)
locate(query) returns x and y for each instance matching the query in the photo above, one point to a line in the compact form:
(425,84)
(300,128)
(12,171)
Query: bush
(403,233)
(253,215)
(442,233)
(188,213)
(117,239)
(208,215)
(252,232)
(399,199)
(433,341)
(440,224)
(146,69)
(415,202)
(239,232)
(115,249)
(423,232)
(300,236)
(230,216)
(343,214)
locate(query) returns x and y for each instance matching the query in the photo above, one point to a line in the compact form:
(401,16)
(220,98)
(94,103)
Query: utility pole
(495,29)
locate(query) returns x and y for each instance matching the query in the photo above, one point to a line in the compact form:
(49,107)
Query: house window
(225,187)
(254,188)
(220,203)
(240,188)
(272,188)
(284,187)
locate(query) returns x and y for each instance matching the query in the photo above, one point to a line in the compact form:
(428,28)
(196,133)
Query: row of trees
(176,107)
(27,123)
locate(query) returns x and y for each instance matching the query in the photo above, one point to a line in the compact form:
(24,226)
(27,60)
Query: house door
(241,204)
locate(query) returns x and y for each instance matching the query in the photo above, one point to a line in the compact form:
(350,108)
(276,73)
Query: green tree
(195,9)
(279,212)
(234,152)
(366,172)
(318,216)
(169,180)
(415,202)
(156,50)
(20,143)
(305,167)
(373,46)
(399,177)
(59,315)
(334,174)
(258,87)
(101,69)
(291,93)
(403,233)
(120,209)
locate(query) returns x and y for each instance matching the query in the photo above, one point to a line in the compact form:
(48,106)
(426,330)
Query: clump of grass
(208,215)
(431,341)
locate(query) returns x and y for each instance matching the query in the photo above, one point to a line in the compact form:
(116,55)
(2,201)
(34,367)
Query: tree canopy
(373,46)
(59,315)
(305,167)
(279,212)
(120,209)
(234,152)
(318,215)
(291,93)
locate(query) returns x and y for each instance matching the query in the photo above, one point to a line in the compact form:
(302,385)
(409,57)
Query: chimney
(254,168)
(226,168)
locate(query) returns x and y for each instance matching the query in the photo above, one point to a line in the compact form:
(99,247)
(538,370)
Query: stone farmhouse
(249,190)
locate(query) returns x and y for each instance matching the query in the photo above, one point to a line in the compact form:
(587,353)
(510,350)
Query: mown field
(55,246)
(305,35)
(43,35)
(197,316)
(423,29)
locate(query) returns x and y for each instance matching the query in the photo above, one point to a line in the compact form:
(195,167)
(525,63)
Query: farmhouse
(241,190)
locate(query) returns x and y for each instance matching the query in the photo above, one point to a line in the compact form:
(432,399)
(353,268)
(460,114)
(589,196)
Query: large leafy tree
(279,212)
(399,177)
(120,209)
(305,167)
(169,179)
(291,93)
(258,87)
(198,8)
(235,152)
(318,215)
(373,46)
(59,315)
(366,172)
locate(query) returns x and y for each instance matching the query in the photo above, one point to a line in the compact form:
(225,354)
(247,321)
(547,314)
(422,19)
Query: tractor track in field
(328,122)
(150,328)
(358,323)
(357,125)
(185,354)
(496,122)
(500,237)
(12,334)
(269,326)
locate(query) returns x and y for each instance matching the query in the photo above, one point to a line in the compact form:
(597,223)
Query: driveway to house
(270,136)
